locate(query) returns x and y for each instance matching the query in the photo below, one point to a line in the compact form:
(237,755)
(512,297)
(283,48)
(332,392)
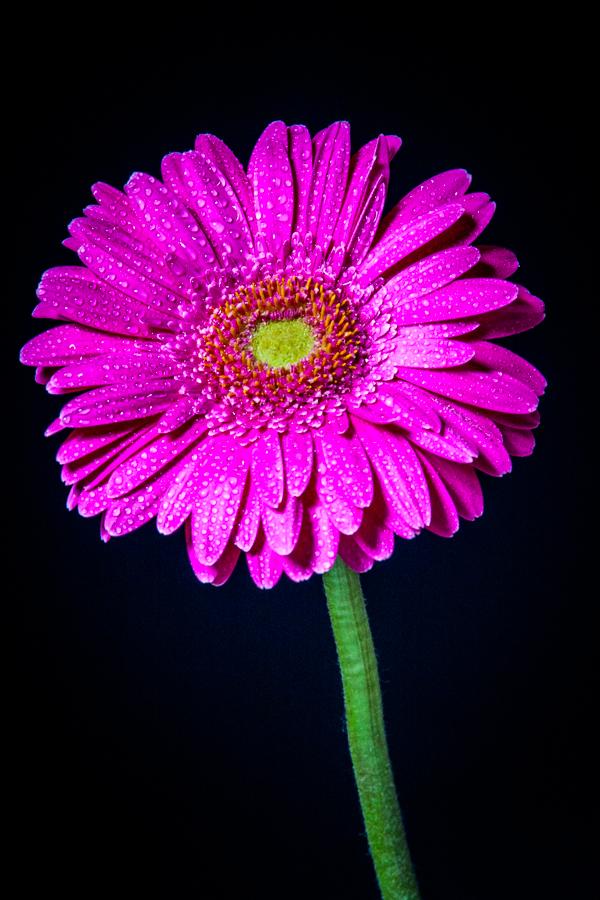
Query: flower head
(263,358)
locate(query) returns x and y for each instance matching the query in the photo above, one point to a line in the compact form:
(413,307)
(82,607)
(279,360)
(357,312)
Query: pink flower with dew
(260,357)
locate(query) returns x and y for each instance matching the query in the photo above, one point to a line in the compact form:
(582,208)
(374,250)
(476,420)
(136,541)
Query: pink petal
(362,237)
(182,410)
(89,502)
(159,455)
(114,208)
(409,409)
(132,511)
(225,232)
(438,330)
(437,191)
(463,486)
(225,565)
(384,512)
(104,535)
(317,545)
(166,221)
(178,499)
(373,538)
(526,312)
(73,498)
(117,403)
(496,358)
(218,573)
(247,528)
(344,455)
(43,374)
(354,556)
(518,442)
(100,474)
(480,434)
(449,445)
(104,458)
(495,262)
(365,198)
(365,167)
(497,392)
(414,350)
(72,292)
(479,211)
(267,468)
(413,479)
(270,173)
(87,441)
(301,162)
(409,237)
(444,517)
(69,343)
(338,420)
(282,525)
(128,264)
(379,409)
(330,174)
(114,368)
(332,492)
(396,476)
(394,404)
(264,565)
(461,299)
(221,479)
(232,172)
(81,469)
(422,405)
(523,422)
(298,454)
(426,275)
(298,569)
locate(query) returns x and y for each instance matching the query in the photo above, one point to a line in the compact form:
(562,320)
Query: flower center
(277,348)
(281,343)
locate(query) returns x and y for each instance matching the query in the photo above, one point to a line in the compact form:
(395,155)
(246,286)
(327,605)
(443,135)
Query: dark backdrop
(176,740)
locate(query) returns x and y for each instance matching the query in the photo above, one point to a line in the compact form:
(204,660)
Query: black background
(176,740)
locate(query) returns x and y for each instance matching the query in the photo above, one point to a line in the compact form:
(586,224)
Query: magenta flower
(264,359)
(267,361)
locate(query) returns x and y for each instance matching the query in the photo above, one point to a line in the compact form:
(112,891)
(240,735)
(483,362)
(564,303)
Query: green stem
(366,734)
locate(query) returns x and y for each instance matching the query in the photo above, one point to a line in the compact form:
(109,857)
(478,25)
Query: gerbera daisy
(267,361)
(261,357)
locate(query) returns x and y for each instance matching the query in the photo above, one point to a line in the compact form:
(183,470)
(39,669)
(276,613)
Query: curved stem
(366,734)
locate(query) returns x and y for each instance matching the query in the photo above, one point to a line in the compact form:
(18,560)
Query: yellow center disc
(282,342)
